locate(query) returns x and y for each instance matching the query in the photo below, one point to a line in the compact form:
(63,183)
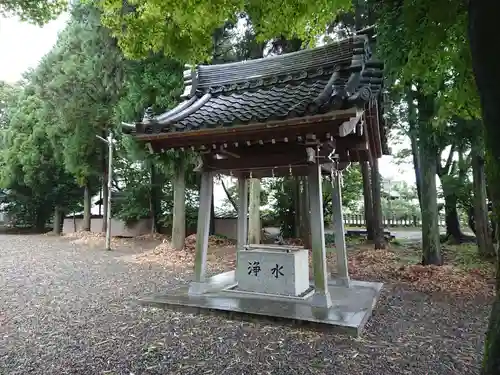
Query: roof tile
(292,85)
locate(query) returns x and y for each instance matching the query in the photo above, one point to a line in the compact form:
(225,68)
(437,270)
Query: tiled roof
(340,75)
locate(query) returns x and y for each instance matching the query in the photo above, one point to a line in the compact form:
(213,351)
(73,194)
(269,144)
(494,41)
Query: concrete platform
(352,307)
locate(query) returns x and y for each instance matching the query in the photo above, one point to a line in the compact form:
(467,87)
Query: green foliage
(80,89)
(133,198)
(329,238)
(8,95)
(34,181)
(227,209)
(399,200)
(38,12)
(80,82)
(154,82)
(184,29)
(467,257)
(426,42)
(352,189)
(283,197)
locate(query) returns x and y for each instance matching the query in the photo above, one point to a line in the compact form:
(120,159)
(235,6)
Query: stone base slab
(350,310)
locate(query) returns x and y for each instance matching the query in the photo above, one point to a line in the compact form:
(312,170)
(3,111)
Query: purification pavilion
(307,113)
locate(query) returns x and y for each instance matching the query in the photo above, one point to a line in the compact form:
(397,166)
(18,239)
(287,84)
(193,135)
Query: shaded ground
(69,309)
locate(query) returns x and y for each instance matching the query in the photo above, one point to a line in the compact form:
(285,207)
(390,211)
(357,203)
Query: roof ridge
(327,78)
(228,76)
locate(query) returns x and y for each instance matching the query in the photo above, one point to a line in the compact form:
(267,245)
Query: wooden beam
(301,170)
(265,131)
(256,161)
(326,117)
(351,141)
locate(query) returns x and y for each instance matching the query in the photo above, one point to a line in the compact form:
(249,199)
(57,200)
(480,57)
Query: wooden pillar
(242,227)
(321,297)
(179,216)
(338,222)
(254,224)
(305,222)
(200,262)
(296,207)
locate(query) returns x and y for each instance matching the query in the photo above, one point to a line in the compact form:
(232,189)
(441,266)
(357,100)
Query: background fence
(358,220)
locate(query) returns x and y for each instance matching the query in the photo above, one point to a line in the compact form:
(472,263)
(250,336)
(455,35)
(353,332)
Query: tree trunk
(58,218)
(481,222)
(100,200)
(228,195)
(493,223)
(368,201)
(483,14)
(453,232)
(254,229)
(416,166)
(431,245)
(430,229)
(87,204)
(179,218)
(378,227)
(491,359)
(40,221)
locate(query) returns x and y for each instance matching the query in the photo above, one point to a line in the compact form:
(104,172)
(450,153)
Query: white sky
(23,45)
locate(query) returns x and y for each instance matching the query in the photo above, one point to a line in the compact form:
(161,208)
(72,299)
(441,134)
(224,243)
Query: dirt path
(67,309)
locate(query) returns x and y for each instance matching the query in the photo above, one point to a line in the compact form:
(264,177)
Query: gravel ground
(67,309)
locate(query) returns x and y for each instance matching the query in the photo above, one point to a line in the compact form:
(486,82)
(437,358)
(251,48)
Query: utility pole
(109,142)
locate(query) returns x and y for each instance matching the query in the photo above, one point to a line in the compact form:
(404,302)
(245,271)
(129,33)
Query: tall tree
(428,151)
(480,208)
(34,176)
(37,12)
(155,82)
(80,79)
(487,73)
